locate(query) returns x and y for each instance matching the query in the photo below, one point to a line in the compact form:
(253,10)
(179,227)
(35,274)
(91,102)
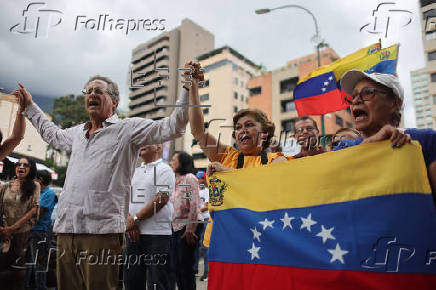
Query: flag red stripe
(321,104)
(227,276)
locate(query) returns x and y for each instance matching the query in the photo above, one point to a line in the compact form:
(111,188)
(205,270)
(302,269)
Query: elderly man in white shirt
(149,223)
(93,206)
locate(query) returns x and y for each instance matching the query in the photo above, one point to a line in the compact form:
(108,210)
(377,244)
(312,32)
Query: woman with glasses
(252,131)
(375,102)
(19,202)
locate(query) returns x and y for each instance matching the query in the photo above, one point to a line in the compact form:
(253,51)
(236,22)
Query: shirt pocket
(104,148)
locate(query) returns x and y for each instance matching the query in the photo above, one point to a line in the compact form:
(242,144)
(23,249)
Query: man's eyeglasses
(97,91)
(366,94)
(301,130)
(25,165)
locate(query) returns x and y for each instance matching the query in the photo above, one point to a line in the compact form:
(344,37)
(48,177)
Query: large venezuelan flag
(319,92)
(359,218)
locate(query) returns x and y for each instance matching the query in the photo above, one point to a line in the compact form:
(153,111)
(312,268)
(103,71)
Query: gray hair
(112,87)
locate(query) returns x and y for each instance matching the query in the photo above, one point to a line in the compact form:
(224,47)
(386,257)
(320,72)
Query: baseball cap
(352,77)
(201,174)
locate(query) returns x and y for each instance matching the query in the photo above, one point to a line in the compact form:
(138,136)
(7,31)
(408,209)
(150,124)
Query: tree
(69,111)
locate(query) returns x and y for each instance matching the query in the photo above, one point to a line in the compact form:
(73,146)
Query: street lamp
(316,39)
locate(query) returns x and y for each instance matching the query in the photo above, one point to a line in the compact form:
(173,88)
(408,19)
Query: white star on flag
(287,221)
(256,234)
(326,83)
(330,78)
(337,254)
(323,89)
(254,251)
(326,234)
(266,223)
(307,222)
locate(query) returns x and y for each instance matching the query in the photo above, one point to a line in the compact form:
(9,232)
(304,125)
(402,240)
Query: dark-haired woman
(186,200)
(19,202)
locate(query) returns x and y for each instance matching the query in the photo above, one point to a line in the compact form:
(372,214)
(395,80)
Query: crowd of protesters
(155,218)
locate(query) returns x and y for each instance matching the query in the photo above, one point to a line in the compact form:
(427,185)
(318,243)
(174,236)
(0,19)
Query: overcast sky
(60,61)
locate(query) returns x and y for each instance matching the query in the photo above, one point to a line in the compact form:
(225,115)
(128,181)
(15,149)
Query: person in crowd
(344,134)
(149,223)
(39,243)
(186,229)
(201,250)
(307,136)
(93,207)
(19,207)
(375,101)
(17,132)
(252,131)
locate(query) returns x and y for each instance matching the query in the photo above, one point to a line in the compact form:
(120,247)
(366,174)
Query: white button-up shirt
(145,186)
(95,197)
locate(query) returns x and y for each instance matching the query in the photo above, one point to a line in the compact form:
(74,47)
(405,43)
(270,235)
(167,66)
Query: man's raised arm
(50,133)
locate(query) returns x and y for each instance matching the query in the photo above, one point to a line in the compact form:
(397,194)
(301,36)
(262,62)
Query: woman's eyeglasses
(366,94)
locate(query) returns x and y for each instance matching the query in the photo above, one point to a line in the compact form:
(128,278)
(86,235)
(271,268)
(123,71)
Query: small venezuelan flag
(319,92)
(359,218)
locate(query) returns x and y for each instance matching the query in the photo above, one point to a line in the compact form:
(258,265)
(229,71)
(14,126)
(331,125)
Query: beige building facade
(424,80)
(32,145)
(155,81)
(227,73)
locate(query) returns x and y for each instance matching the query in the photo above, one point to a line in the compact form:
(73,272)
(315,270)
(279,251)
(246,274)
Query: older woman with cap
(375,100)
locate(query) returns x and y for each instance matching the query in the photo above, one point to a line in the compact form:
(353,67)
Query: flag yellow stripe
(354,173)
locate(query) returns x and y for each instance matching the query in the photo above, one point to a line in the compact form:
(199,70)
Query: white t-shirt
(145,188)
(204,197)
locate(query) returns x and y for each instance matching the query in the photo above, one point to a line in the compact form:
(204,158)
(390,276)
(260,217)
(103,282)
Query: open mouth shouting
(93,104)
(360,115)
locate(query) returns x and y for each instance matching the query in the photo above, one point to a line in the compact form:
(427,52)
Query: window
(242,97)
(246,100)
(430,35)
(418,101)
(242,84)
(434,99)
(205,111)
(431,56)
(204,97)
(235,81)
(234,67)
(433,77)
(288,125)
(428,118)
(200,155)
(287,106)
(206,84)
(235,109)
(235,95)
(339,121)
(288,85)
(255,91)
(429,125)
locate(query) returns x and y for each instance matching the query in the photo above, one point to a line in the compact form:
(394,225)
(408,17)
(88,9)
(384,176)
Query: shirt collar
(154,163)
(111,120)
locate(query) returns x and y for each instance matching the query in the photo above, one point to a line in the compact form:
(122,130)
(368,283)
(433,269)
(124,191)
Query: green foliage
(69,111)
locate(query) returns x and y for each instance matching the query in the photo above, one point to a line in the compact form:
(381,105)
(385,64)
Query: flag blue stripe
(377,232)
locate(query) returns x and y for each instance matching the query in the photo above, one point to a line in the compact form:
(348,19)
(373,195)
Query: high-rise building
(227,73)
(155,76)
(274,92)
(424,80)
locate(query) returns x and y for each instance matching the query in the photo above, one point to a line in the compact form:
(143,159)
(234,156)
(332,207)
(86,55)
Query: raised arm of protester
(52,134)
(17,133)
(208,143)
